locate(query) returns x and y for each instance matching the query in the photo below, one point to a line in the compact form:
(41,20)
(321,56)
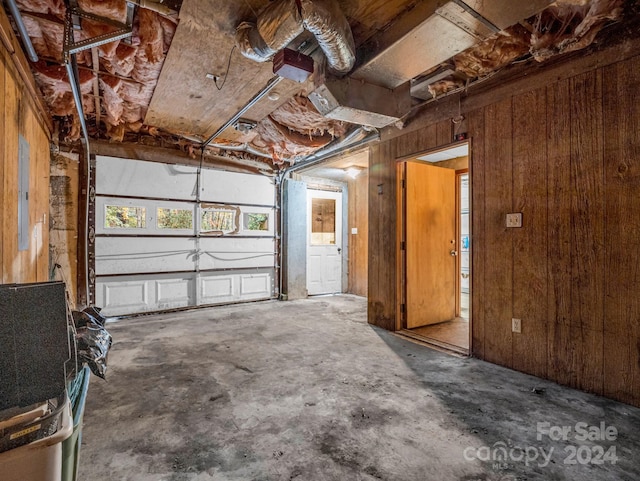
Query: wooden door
(430,244)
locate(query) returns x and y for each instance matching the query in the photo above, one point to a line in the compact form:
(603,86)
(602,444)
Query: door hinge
(403,308)
(402,246)
(402,183)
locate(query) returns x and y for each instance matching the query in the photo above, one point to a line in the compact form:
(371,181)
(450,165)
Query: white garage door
(160,246)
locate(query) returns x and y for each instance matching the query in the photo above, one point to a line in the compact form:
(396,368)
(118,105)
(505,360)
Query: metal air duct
(283,21)
(360,102)
(434,32)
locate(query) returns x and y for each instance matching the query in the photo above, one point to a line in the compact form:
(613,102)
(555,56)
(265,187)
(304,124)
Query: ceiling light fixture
(244,125)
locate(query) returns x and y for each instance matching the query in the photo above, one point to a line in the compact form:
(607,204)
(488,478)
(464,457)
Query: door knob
(339,250)
(453,252)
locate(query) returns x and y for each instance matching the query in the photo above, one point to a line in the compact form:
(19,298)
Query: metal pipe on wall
(277,258)
(24,36)
(72,73)
(242,148)
(356,138)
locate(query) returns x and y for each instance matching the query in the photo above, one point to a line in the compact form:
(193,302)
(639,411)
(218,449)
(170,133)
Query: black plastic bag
(92,339)
(88,315)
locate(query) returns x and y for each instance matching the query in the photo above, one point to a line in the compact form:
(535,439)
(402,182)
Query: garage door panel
(255,285)
(137,178)
(117,255)
(121,296)
(173,293)
(149,254)
(224,287)
(232,187)
(234,253)
(217,288)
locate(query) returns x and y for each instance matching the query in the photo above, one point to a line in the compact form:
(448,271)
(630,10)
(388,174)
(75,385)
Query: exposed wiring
(224,81)
(145,255)
(190,253)
(243,258)
(457,121)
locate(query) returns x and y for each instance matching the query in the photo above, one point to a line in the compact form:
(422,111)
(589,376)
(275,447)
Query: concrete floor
(308,391)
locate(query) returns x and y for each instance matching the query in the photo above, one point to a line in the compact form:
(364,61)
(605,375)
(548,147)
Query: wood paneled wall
(19,115)
(567,156)
(358,243)
(63,225)
(381,303)
(565,153)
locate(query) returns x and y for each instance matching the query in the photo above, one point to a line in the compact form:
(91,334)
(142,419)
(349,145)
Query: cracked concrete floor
(308,391)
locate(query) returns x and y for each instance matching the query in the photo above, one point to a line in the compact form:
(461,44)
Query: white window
(255,221)
(174,218)
(124,217)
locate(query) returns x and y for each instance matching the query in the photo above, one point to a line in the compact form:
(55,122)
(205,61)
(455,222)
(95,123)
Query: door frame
(459,174)
(339,225)
(401,210)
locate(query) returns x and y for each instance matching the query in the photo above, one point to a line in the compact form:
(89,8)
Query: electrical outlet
(354,230)
(516,325)
(514,220)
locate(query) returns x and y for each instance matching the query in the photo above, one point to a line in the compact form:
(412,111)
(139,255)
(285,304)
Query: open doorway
(435,274)
(348,176)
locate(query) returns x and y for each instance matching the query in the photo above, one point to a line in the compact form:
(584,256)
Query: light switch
(514,220)
(354,230)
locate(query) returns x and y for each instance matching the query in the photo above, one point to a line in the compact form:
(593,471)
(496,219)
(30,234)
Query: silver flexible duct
(275,28)
(282,22)
(325,20)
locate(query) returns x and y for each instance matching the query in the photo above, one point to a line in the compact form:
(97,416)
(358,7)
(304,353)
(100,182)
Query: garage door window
(218,220)
(125,217)
(174,218)
(253,221)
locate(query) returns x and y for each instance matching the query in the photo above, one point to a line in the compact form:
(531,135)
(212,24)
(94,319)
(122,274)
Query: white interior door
(324,242)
